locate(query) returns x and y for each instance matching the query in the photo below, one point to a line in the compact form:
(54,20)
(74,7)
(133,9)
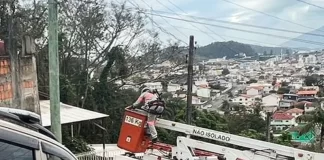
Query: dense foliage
(221,49)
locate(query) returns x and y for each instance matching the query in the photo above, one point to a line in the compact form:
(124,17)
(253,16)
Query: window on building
(240,99)
(9,151)
(246,99)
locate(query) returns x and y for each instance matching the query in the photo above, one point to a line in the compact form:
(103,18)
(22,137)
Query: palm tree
(314,121)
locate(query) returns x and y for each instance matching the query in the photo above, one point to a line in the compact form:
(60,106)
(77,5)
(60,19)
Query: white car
(23,138)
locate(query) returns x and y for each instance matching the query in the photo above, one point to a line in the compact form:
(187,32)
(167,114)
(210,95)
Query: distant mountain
(307,46)
(221,49)
(231,49)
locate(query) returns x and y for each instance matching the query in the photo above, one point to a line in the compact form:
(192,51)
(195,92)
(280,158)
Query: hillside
(230,49)
(294,44)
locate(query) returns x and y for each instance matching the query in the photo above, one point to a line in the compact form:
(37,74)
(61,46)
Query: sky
(291,10)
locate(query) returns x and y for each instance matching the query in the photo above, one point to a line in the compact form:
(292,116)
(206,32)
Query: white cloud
(290,10)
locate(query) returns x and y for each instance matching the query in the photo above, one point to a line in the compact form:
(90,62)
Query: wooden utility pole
(190,79)
(53,59)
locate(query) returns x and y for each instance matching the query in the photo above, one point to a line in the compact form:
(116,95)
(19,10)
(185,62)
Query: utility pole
(268,125)
(189,81)
(53,59)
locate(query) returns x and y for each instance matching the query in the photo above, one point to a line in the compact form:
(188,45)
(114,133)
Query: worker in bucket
(149,102)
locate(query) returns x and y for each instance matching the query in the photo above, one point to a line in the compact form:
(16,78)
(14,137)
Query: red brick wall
(4,67)
(5,91)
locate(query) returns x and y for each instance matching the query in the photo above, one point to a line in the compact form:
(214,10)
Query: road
(217,103)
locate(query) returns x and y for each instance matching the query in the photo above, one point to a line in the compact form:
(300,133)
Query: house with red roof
(307,93)
(295,112)
(282,121)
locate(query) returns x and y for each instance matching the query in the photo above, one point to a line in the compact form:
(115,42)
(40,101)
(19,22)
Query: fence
(104,155)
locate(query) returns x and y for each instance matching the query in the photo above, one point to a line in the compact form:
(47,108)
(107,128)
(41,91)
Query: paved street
(217,103)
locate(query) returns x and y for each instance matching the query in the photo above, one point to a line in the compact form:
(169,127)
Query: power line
(271,15)
(245,25)
(314,5)
(197,20)
(168,22)
(232,37)
(242,30)
(161,28)
(196,26)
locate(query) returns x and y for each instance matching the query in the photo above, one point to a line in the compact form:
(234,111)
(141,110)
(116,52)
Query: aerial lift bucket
(132,136)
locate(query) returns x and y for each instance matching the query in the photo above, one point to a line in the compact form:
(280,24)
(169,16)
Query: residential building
(307,88)
(285,104)
(203,92)
(154,85)
(173,87)
(307,93)
(254,91)
(271,100)
(293,97)
(282,121)
(246,100)
(295,112)
(185,88)
(307,99)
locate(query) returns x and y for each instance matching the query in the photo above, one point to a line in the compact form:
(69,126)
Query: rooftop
(307,92)
(69,114)
(295,110)
(281,116)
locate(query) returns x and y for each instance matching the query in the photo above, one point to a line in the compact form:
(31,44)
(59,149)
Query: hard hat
(145,90)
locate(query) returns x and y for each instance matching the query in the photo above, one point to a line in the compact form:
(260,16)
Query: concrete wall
(20,91)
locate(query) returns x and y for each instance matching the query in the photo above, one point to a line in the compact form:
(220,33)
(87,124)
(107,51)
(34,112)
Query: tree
(226,107)
(252,81)
(251,133)
(315,121)
(238,123)
(284,84)
(225,71)
(314,80)
(283,90)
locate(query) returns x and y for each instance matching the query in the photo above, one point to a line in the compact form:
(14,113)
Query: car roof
(33,134)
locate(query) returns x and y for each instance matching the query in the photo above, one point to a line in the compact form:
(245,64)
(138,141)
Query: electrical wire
(168,22)
(161,28)
(281,37)
(314,5)
(232,37)
(242,30)
(269,15)
(224,45)
(245,25)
